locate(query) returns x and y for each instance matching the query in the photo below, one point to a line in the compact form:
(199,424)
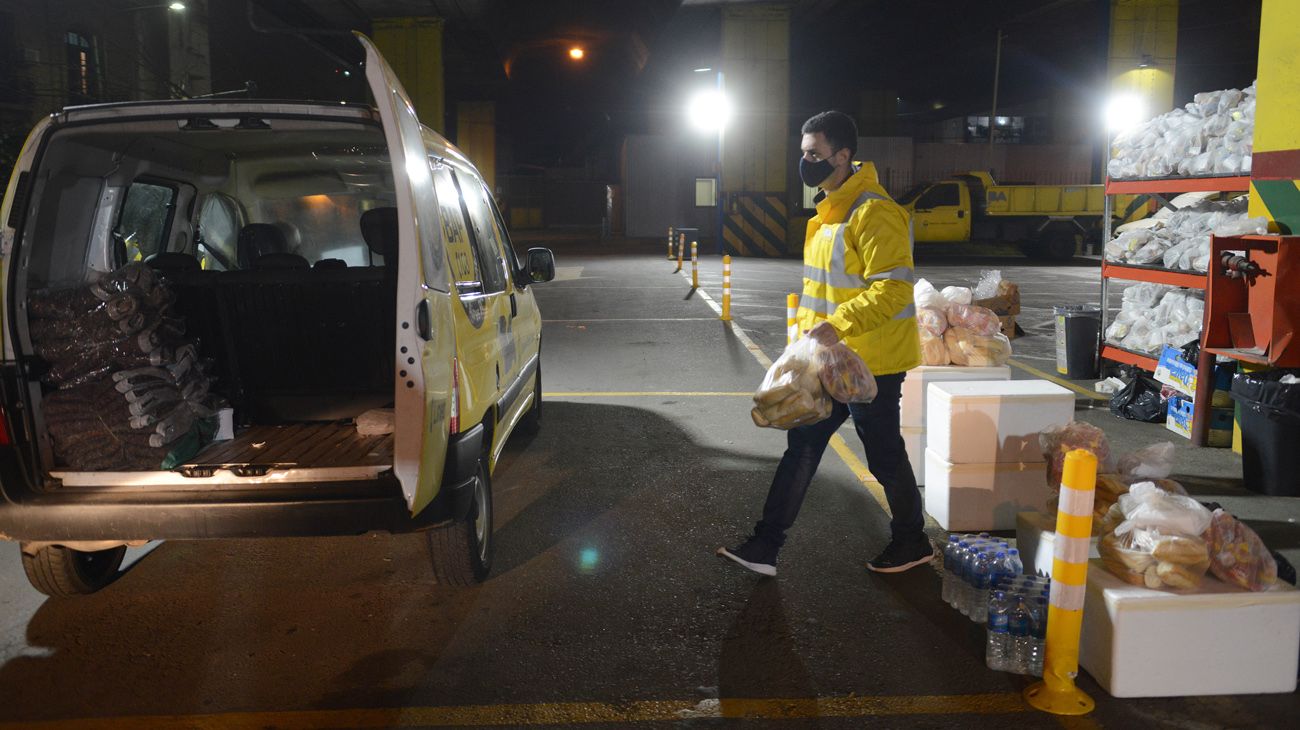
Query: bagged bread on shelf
(978,320)
(934,351)
(1238,556)
(1158,544)
(931,320)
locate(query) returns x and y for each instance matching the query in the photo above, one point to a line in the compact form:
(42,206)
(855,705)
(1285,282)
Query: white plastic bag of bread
(1158,544)
(791,393)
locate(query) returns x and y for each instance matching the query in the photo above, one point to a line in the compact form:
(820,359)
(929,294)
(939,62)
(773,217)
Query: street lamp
(1124,111)
(709,111)
(178,7)
(576,53)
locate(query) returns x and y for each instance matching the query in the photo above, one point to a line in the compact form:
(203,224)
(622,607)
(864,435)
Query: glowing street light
(178,7)
(1124,111)
(709,111)
(576,53)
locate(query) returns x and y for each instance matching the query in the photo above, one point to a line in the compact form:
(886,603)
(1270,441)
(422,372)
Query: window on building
(83,72)
(809,198)
(146,214)
(706,192)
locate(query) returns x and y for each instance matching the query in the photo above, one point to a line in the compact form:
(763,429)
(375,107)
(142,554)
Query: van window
(455,231)
(486,244)
(938,196)
(142,224)
(324,225)
(219,222)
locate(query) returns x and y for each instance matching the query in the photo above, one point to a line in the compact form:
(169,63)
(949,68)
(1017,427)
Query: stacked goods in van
(1153,315)
(1180,239)
(1211,135)
(954,331)
(129,385)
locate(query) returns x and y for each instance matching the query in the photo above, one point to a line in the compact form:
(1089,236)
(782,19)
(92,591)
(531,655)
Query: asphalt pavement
(606,606)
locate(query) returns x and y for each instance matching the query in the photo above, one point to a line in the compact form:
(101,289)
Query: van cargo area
(263,268)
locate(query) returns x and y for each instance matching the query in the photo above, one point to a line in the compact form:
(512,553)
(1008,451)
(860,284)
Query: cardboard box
(1007,300)
(919,378)
(1173,371)
(1036,540)
(1220,640)
(993,422)
(974,497)
(1178,417)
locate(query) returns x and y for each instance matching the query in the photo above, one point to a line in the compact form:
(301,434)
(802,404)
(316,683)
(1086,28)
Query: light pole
(709,111)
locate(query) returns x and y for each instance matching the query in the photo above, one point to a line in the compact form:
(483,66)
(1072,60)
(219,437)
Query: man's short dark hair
(837,127)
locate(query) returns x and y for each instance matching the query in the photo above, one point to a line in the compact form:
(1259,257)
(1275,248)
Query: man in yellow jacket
(857,288)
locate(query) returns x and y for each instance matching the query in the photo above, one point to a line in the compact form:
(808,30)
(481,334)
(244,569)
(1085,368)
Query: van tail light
(4,430)
(454,424)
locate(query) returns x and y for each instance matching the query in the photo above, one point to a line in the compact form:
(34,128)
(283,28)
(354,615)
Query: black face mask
(814,173)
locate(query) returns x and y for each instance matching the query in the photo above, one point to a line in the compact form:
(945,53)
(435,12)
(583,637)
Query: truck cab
(941,212)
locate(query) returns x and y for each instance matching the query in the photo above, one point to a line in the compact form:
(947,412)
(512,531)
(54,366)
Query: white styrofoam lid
(938,371)
(996,388)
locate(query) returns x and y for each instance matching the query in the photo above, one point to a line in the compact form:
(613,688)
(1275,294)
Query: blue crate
(1179,416)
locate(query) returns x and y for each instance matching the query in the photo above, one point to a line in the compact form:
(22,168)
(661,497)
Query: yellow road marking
(643,394)
(1063,383)
(556,714)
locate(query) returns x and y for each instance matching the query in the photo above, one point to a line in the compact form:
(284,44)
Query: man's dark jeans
(877,424)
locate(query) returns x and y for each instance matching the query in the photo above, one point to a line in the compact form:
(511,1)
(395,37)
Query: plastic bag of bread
(791,393)
(1158,544)
(1238,556)
(844,374)
(931,320)
(977,319)
(1057,441)
(968,348)
(933,350)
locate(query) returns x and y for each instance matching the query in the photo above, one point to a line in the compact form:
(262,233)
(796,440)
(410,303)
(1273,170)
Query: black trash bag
(1191,353)
(1139,401)
(1264,394)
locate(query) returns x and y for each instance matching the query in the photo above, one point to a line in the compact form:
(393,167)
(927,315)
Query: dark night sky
(554,112)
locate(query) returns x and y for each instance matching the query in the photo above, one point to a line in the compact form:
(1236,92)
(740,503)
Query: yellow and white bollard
(791,318)
(670,243)
(681,249)
(726,288)
(1056,693)
(695,265)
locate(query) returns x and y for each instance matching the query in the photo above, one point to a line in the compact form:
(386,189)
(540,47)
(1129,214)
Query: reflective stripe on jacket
(857,273)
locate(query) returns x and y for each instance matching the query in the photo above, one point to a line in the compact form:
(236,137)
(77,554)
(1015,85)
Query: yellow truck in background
(1047,221)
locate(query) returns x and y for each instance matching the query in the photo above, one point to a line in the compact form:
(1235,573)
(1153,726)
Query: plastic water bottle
(982,574)
(1019,627)
(953,571)
(949,551)
(1039,647)
(966,597)
(996,651)
(1012,564)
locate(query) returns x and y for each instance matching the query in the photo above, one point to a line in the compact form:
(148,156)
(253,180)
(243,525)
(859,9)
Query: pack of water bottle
(972,564)
(1017,625)
(983,578)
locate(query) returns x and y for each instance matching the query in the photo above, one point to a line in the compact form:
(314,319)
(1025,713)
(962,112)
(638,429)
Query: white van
(326,261)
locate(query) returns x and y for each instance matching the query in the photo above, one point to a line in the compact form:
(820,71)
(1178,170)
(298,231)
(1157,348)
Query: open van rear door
(426,341)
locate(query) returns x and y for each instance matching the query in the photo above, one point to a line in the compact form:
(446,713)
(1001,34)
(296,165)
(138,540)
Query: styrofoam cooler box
(919,378)
(1220,640)
(974,497)
(914,440)
(985,422)
(1036,540)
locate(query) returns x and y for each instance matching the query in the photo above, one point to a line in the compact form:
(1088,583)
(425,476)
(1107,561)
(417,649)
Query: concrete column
(1275,184)
(413,47)
(1143,49)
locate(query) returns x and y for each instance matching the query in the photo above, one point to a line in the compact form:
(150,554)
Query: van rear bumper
(300,510)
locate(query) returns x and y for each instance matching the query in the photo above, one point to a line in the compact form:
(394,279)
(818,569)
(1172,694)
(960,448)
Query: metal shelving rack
(1157,189)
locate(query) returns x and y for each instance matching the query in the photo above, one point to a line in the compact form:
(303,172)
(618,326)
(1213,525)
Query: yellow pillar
(1143,48)
(726,288)
(413,47)
(1275,190)
(476,136)
(756,144)
(791,318)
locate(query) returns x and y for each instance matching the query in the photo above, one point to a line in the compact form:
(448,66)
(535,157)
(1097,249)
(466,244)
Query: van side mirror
(541,265)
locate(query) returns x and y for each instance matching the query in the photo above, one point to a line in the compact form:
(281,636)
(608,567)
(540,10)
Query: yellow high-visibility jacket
(858,275)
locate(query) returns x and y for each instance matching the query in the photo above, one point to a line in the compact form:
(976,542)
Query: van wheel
(462,553)
(532,420)
(63,572)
